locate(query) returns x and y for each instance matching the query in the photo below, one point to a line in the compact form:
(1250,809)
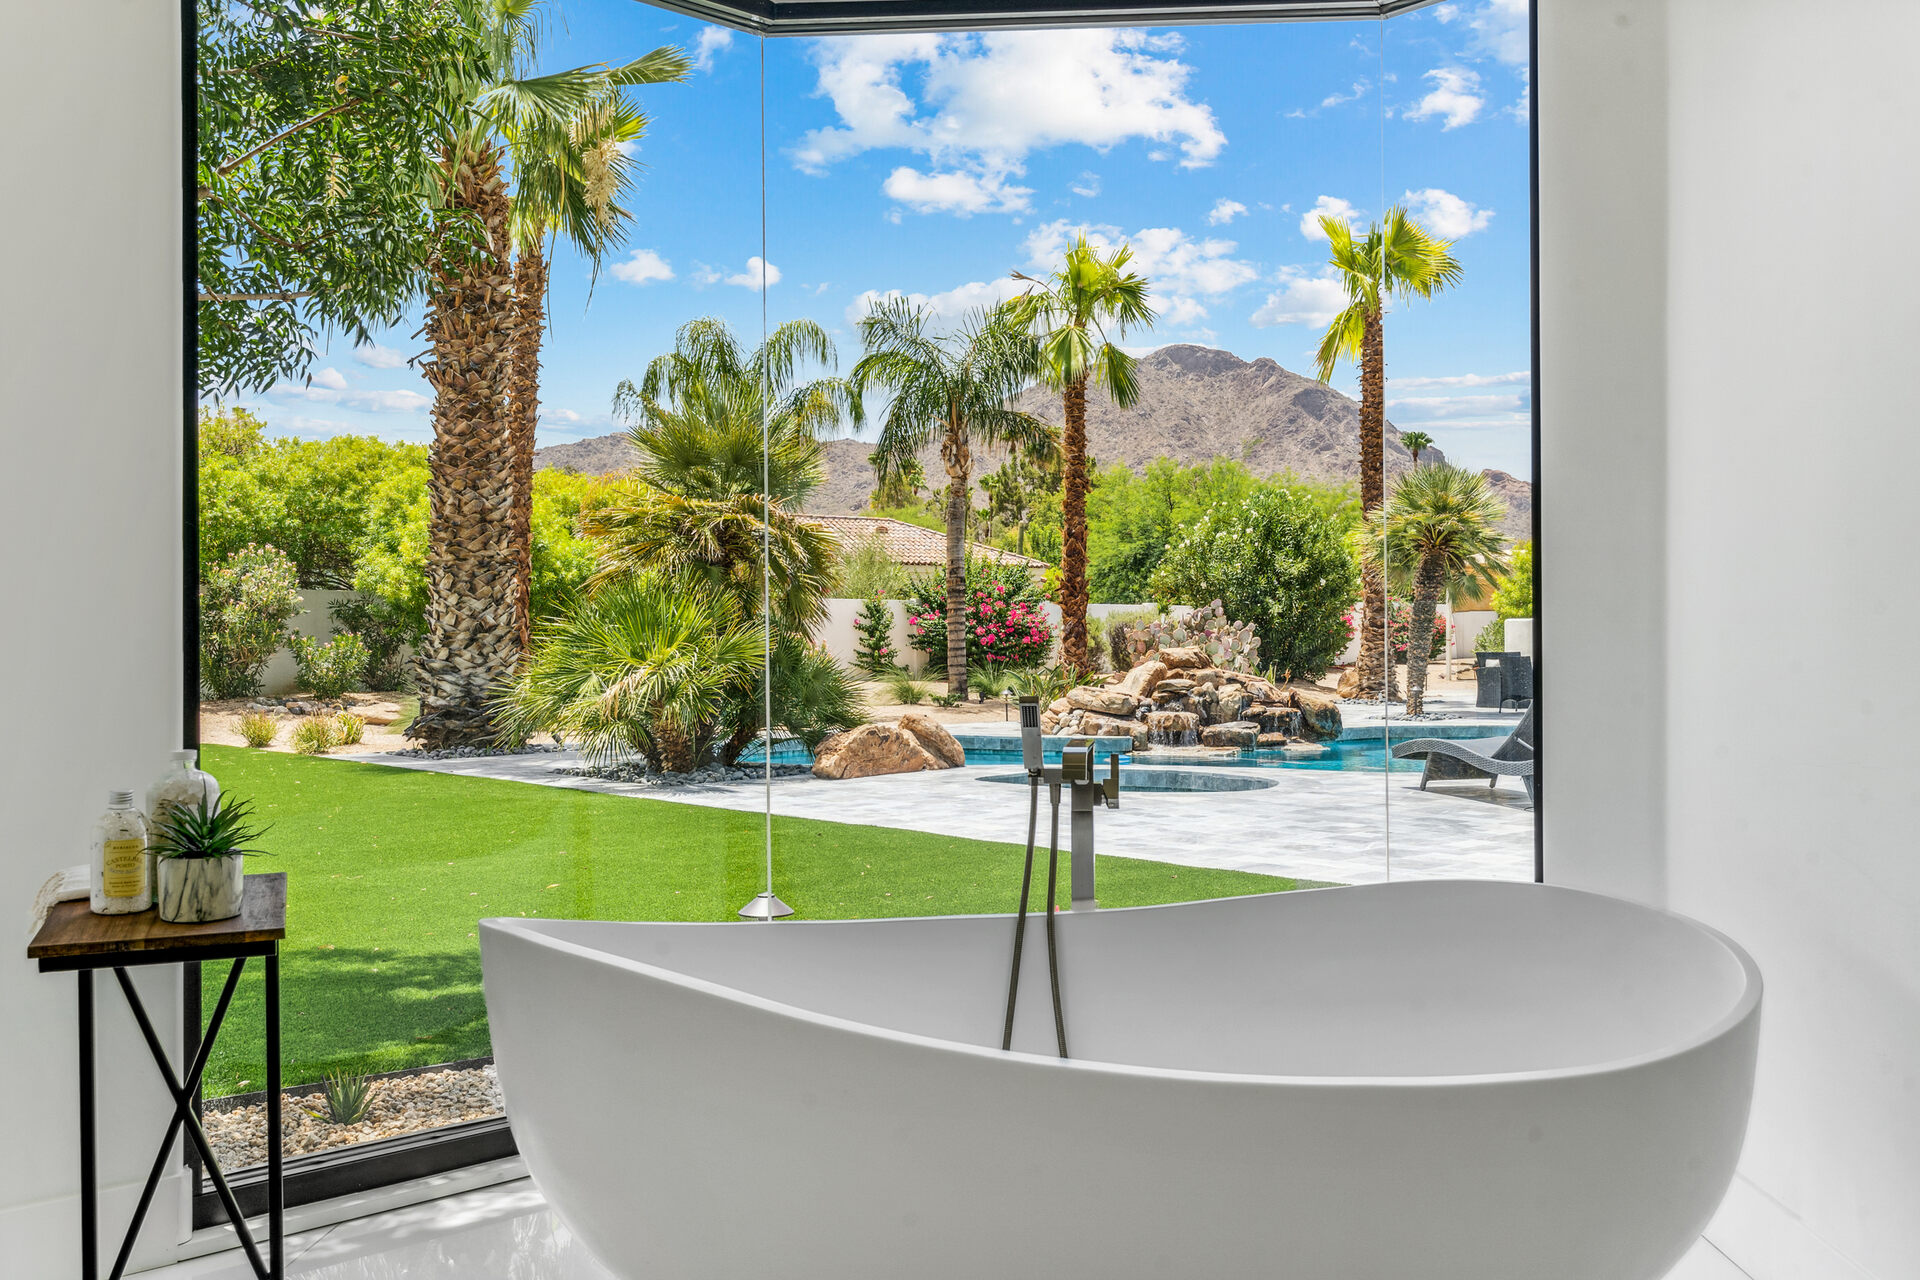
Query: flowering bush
(1005,624)
(875,625)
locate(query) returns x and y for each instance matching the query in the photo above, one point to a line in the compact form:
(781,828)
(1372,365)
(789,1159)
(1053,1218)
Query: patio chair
(1451,760)
(1502,678)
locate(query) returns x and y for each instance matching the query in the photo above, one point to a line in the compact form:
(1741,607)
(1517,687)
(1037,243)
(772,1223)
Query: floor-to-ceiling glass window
(691,527)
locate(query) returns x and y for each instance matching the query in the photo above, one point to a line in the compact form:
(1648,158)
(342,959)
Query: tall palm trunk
(529,301)
(1073,530)
(1427,585)
(959,460)
(1374,670)
(472,619)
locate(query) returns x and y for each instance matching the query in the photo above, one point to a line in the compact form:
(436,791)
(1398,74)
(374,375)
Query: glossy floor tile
(509,1233)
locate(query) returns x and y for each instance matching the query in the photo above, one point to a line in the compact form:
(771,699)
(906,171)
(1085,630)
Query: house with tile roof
(912,546)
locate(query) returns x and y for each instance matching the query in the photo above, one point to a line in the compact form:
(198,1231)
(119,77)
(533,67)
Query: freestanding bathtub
(1445,1080)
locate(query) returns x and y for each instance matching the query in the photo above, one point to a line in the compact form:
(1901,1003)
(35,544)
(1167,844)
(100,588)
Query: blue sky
(932,165)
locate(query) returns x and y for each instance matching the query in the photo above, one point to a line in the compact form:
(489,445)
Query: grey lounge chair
(1448,759)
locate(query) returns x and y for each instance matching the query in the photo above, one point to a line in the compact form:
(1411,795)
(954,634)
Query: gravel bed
(401,1104)
(635,772)
(474,753)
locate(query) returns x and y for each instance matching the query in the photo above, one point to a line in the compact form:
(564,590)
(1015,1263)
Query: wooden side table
(77,941)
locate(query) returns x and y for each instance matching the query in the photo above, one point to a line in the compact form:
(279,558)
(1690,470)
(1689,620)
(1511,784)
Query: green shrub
(813,695)
(868,572)
(1492,637)
(352,728)
(330,668)
(1113,634)
(315,735)
(387,628)
(344,1099)
(905,689)
(875,625)
(1276,560)
(1514,596)
(1044,683)
(1003,608)
(245,604)
(258,729)
(947,699)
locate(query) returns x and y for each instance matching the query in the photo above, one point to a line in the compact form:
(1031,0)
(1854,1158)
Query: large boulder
(1349,686)
(1189,658)
(1230,702)
(1319,711)
(1144,679)
(1106,702)
(1234,733)
(1093,724)
(874,749)
(935,738)
(1173,728)
(1276,718)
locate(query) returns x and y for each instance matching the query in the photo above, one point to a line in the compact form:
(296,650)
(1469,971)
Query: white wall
(281,676)
(90,519)
(1771,441)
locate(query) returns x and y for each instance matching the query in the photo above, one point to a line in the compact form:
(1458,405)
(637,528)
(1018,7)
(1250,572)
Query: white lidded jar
(182,786)
(122,872)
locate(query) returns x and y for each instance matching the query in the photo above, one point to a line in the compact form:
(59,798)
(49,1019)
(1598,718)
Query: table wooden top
(73,932)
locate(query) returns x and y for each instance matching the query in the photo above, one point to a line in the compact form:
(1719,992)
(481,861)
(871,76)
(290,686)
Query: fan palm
(953,388)
(1398,260)
(473,611)
(729,450)
(569,175)
(1416,443)
(645,668)
(1069,313)
(1441,532)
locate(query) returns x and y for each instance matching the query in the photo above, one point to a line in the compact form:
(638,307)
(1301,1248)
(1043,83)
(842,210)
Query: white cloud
(1087,184)
(710,41)
(329,378)
(1433,408)
(1182,270)
(1303,298)
(642,266)
(562,416)
(1455,96)
(1225,211)
(1498,27)
(1445,214)
(1329,207)
(375,356)
(1522,111)
(747,279)
(946,308)
(979,103)
(1466,380)
(326,392)
(1358,91)
(959,193)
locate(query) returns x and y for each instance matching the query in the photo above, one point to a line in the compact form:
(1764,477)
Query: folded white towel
(62,886)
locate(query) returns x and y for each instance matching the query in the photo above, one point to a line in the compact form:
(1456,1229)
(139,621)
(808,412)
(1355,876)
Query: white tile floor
(508,1233)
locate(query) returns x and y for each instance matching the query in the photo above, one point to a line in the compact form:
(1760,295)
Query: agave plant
(345,1099)
(216,830)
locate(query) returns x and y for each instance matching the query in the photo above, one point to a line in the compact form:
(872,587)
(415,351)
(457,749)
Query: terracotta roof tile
(911,545)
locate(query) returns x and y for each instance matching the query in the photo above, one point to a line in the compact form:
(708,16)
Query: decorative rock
(1319,712)
(1184,658)
(1231,702)
(1093,724)
(1280,720)
(1144,679)
(377,712)
(1172,686)
(1173,728)
(1108,702)
(1268,740)
(1235,733)
(934,737)
(1349,683)
(871,750)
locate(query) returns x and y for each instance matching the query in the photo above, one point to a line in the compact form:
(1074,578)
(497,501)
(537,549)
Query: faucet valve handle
(1110,785)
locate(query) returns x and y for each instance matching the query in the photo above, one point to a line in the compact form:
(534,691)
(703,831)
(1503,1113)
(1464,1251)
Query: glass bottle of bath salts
(182,786)
(122,882)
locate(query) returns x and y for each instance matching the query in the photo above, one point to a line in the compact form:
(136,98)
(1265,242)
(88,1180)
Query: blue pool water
(1362,755)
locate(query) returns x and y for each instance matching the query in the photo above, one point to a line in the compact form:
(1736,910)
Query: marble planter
(195,890)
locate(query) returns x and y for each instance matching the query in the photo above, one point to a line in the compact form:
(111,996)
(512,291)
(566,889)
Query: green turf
(389,869)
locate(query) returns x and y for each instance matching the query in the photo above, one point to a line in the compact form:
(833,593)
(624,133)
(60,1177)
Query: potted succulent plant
(201,853)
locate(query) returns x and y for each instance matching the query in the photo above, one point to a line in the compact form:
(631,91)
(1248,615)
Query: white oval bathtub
(1431,1081)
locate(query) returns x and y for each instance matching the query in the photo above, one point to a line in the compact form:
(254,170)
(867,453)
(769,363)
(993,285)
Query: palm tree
(569,174)
(729,450)
(1401,260)
(1416,443)
(473,611)
(1069,313)
(1441,533)
(953,388)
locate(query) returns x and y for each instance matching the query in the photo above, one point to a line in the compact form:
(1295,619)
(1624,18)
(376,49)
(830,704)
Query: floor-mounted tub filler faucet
(1076,773)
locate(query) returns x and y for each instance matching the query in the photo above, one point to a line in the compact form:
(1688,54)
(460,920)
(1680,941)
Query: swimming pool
(1349,755)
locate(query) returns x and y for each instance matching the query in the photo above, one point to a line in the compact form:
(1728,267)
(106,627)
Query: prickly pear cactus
(1229,645)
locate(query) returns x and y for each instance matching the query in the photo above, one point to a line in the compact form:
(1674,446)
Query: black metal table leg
(89,1184)
(276,1241)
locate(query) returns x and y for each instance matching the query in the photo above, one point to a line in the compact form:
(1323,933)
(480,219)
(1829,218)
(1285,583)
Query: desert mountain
(1196,404)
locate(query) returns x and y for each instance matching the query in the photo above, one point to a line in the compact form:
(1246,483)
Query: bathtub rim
(1741,1011)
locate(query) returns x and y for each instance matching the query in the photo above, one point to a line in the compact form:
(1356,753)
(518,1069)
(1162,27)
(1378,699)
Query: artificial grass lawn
(389,869)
